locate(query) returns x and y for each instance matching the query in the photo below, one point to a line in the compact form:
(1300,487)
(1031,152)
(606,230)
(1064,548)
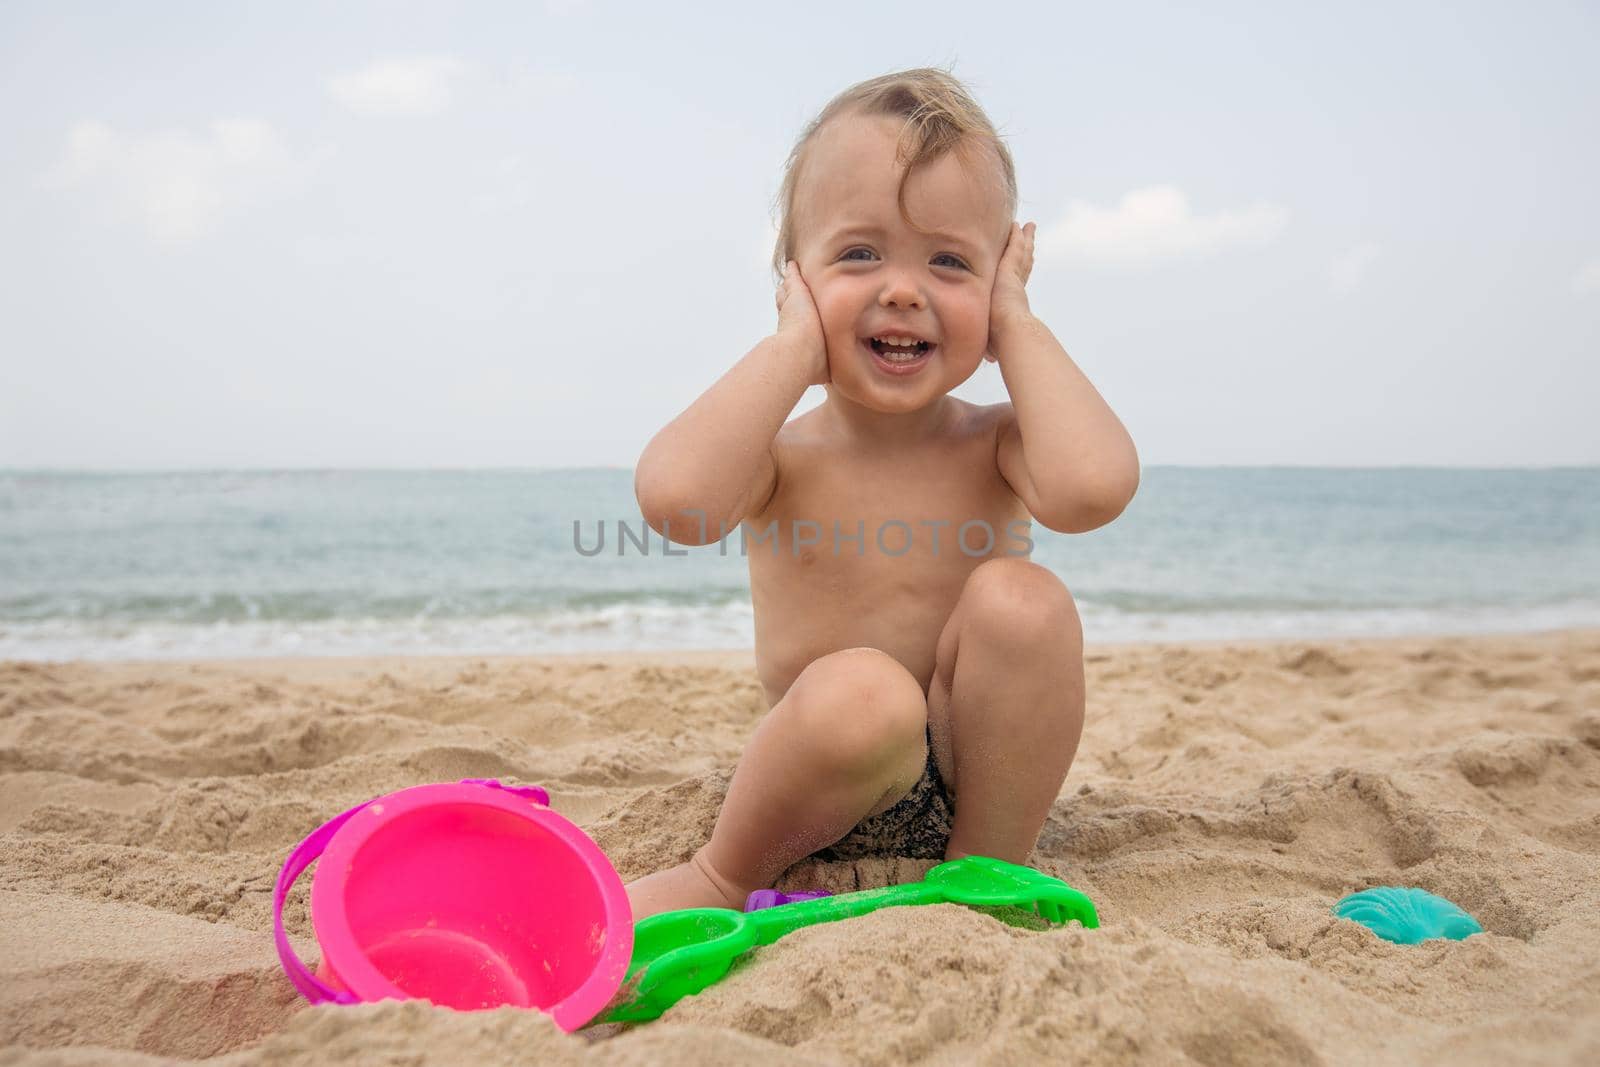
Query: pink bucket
(471,895)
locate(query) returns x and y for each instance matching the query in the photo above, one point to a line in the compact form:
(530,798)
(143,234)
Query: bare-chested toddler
(924,677)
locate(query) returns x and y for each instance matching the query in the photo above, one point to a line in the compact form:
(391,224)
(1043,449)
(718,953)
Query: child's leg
(1005,706)
(846,741)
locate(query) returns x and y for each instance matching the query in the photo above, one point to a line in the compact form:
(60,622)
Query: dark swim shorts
(918,826)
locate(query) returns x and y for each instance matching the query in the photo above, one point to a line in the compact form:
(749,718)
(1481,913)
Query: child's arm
(1064,452)
(713,463)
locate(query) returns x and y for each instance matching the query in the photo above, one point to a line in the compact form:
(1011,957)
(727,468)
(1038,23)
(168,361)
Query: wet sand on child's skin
(1224,796)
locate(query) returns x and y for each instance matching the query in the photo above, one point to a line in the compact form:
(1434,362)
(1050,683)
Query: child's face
(870,274)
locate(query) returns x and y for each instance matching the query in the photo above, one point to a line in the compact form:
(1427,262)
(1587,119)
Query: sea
(166,565)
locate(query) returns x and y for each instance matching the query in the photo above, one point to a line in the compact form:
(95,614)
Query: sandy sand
(1224,797)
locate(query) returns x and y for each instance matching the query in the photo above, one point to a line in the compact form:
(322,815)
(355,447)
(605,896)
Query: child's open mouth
(899,358)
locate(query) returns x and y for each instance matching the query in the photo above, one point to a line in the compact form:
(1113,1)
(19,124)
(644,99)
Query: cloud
(179,184)
(1153,225)
(419,85)
(1349,270)
(1587,280)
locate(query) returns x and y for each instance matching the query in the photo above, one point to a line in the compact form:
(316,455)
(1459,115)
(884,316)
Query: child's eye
(954,261)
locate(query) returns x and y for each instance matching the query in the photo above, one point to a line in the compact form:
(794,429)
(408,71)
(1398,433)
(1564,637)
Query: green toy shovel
(679,953)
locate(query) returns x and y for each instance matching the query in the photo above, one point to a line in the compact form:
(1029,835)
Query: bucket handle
(300,976)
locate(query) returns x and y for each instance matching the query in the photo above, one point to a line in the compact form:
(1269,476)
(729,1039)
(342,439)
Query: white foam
(1117,627)
(660,626)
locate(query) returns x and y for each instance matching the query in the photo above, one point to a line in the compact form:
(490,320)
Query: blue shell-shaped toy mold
(1406,916)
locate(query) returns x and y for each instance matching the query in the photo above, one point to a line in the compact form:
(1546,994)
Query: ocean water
(159,565)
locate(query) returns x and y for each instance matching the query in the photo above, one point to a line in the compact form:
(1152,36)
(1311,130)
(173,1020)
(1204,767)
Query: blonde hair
(940,116)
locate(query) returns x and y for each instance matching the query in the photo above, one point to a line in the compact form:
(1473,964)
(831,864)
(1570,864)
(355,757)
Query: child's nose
(901,291)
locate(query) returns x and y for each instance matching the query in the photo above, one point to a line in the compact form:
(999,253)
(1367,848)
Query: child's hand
(1008,303)
(800,325)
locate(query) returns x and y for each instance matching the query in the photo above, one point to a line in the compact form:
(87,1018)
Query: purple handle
(300,976)
(771,898)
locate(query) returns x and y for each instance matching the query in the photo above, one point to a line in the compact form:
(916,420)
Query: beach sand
(1225,795)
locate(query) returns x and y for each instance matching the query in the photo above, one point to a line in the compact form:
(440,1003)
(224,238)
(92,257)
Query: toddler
(924,679)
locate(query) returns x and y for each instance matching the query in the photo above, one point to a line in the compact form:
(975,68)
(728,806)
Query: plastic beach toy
(469,894)
(1406,916)
(678,953)
(771,898)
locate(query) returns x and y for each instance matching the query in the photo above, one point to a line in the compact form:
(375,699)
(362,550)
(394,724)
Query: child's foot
(688,885)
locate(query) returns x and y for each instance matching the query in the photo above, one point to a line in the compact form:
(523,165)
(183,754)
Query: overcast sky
(528,235)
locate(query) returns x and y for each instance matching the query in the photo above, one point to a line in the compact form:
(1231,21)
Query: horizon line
(509,469)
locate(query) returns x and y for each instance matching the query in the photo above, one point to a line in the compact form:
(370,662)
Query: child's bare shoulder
(980,425)
(799,443)
(807,430)
(992,418)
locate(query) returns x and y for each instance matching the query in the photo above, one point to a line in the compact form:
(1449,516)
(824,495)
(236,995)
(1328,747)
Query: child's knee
(1023,603)
(858,708)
